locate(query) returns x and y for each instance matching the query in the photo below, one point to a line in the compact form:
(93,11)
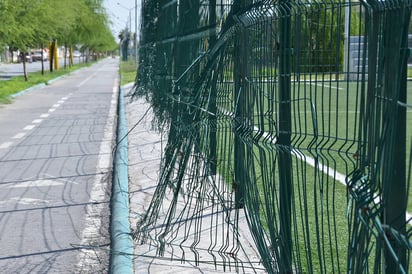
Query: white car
(36,55)
(28,57)
(77,53)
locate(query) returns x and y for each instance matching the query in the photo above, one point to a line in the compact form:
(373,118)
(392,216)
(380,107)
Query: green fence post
(395,195)
(284,137)
(388,24)
(241,71)
(213,94)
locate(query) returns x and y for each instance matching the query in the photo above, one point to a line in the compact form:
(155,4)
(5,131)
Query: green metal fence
(293,113)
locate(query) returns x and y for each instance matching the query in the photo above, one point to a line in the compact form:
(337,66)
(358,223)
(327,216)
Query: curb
(121,245)
(57,78)
(27,90)
(49,82)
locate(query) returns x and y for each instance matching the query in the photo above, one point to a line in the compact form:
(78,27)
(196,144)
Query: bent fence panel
(289,117)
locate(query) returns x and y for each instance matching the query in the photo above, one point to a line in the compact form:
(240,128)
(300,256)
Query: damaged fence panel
(288,119)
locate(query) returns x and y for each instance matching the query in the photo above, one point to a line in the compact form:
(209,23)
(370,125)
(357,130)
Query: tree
(28,21)
(92,30)
(322,31)
(124,37)
(35,23)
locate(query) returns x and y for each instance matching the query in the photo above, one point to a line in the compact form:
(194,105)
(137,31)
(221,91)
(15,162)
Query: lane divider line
(87,79)
(19,135)
(99,188)
(33,124)
(6,145)
(29,127)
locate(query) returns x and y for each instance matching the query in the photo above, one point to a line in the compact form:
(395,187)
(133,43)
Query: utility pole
(135,25)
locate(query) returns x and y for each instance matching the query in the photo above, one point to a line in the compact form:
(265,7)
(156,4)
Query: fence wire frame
(217,73)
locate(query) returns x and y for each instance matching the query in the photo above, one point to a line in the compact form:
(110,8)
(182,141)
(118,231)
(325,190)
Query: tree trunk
(42,59)
(71,61)
(51,56)
(26,77)
(65,56)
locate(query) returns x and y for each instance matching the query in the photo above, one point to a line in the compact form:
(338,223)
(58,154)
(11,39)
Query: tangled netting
(287,121)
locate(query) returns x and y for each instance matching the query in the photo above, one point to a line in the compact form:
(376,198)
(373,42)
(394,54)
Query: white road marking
(29,127)
(60,101)
(44,115)
(19,135)
(52,110)
(94,211)
(6,145)
(35,183)
(65,98)
(25,201)
(87,79)
(56,105)
(37,121)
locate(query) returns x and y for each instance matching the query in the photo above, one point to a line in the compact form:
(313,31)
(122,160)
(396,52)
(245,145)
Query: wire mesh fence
(294,115)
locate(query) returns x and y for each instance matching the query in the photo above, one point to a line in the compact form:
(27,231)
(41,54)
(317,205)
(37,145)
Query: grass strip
(17,83)
(128,72)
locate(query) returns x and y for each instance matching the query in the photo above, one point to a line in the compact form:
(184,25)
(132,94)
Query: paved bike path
(55,166)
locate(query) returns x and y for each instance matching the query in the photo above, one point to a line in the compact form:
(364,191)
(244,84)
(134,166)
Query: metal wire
(293,115)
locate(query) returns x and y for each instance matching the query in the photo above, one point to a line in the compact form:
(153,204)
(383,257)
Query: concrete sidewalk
(145,147)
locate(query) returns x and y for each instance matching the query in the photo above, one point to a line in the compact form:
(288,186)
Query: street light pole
(135,28)
(346,63)
(130,15)
(130,21)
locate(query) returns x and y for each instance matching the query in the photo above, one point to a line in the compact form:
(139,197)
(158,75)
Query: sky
(119,11)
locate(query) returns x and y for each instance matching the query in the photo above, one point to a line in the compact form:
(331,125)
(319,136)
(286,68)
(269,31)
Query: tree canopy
(33,23)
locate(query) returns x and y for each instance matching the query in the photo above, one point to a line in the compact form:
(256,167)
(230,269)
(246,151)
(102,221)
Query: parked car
(28,57)
(77,53)
(36,55)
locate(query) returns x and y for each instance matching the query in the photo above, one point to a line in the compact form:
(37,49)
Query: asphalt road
(10,70)
(55,165)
